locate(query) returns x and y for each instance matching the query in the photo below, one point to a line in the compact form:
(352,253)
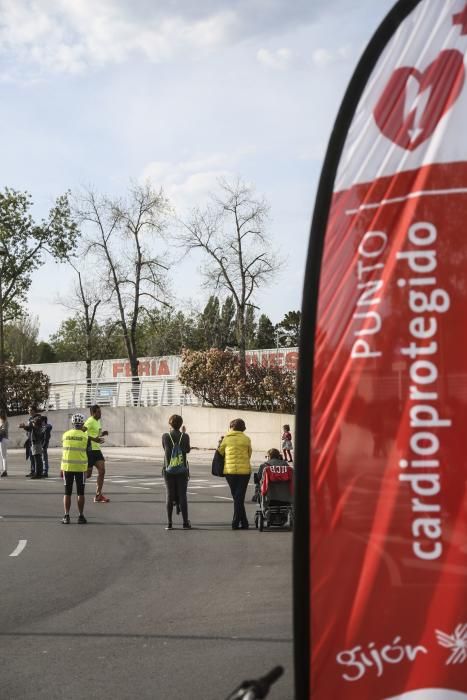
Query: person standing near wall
(95,456)
(4,441)
(236,450)
(33,414)
(46,431)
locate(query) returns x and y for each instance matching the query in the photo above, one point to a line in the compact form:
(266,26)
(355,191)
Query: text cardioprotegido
(420,465)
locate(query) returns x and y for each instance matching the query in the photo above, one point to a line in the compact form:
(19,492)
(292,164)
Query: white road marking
(145,488)
(224,498)
(21,545)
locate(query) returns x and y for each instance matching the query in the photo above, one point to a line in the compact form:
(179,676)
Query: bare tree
(231,233)
(123,235)
(84,302)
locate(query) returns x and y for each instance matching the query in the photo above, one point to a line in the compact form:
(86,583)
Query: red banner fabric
(388,546)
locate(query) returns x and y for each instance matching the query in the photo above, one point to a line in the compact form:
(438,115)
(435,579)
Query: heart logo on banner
(413,103)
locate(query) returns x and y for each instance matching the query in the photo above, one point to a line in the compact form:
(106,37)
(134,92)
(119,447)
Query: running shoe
(4,473)
(187,525)
(81,519)
(101,499)
(66,519)
(169,526)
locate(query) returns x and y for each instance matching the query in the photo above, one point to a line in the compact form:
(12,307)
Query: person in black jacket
(46,430)
(176,483)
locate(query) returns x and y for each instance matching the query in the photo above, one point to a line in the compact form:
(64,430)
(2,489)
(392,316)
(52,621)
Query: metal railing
(120,391)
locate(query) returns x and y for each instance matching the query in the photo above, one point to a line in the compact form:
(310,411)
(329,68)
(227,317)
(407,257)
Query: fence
(120,392)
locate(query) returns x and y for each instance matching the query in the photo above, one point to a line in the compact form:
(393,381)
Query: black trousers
(176,485)
(36,464)
(238,485)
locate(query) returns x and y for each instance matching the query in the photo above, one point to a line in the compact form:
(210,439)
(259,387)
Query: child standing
(287,443)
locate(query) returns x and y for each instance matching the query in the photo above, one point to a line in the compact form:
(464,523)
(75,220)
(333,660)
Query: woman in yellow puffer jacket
(236,450)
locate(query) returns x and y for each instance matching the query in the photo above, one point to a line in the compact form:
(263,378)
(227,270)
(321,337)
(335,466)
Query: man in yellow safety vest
(74,465)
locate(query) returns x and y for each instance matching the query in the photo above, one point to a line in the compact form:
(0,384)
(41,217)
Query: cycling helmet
(77,419)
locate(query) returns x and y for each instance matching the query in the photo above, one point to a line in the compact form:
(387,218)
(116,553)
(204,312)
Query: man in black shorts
(74,465)
(95,457)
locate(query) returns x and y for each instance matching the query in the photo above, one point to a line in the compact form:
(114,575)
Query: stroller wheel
(261,522)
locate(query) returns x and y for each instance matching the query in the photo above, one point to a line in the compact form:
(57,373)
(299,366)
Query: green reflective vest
(74,455)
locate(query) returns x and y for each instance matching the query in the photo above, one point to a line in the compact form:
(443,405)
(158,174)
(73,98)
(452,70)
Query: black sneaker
(81,519)
(169,526)
(66,519)
(187,525)
(4,473)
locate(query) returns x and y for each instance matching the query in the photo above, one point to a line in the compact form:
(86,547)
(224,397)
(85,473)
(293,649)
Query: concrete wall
(143,427)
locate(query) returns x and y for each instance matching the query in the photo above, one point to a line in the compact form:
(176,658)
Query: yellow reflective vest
(74,455)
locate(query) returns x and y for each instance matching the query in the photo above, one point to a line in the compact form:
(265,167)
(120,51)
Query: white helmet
(77,419)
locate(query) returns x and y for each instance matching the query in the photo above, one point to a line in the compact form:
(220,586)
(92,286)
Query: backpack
(176,463)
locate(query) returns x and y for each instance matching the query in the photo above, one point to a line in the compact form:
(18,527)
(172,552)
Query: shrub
(216,377)
(20,387)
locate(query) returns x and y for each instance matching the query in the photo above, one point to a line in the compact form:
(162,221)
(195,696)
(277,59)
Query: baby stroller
(275,497)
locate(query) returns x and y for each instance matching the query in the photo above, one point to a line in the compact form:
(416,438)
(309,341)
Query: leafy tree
(289,329)
(69,342)
(45,353)
(250,328)
(165,332)
(227,323)
(21,340)
(231,233)
(209,324)
(22,387)
(23,243)
(265,337)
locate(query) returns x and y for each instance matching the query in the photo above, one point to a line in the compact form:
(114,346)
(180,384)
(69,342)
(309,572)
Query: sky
(183,93)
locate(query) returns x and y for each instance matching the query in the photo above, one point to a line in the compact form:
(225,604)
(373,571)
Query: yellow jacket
(236,450)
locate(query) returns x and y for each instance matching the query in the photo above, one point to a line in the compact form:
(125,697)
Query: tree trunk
(135,381)
(87,399)
(241,340)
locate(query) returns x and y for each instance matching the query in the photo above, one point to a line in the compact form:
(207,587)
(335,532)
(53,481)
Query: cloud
(325,57)
(277,60)
(188,184)
(60,36)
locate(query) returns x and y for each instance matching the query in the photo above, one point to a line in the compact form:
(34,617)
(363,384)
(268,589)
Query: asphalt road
(121,608)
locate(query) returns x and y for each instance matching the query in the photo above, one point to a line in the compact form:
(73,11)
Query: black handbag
(217,468)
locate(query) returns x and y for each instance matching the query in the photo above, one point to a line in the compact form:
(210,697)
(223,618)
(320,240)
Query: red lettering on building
(163,367)
(291,360)
(117,368)
(144,369)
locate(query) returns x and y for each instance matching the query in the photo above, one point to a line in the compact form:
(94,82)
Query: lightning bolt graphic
(415,100)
